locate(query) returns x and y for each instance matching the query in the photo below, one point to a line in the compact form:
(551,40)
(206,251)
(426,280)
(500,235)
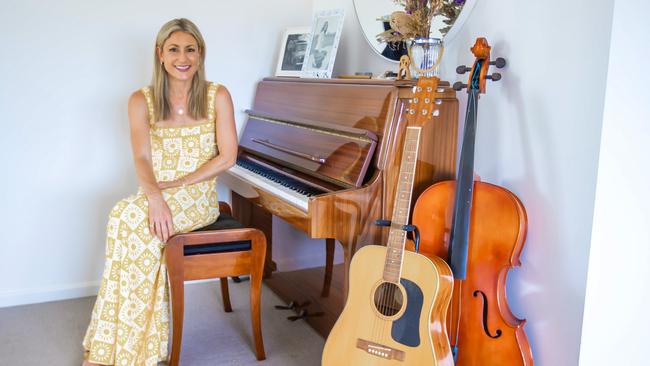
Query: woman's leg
(129,323)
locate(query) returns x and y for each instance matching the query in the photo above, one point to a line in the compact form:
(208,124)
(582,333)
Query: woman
(174,125)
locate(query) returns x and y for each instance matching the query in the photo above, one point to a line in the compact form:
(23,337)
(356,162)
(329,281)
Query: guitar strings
(385,291)
(389,301)
(388,304)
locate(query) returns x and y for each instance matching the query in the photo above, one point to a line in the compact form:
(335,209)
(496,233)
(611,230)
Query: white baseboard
(47,294)
(56,293)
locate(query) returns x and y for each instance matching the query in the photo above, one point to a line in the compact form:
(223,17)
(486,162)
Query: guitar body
(413,334)
(489,334)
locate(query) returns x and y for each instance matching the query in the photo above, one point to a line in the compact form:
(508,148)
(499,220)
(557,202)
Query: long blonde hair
(197,97)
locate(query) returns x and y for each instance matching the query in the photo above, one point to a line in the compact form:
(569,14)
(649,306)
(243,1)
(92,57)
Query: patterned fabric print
(130,320)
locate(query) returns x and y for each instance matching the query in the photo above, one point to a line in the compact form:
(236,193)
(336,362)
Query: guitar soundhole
(388,299)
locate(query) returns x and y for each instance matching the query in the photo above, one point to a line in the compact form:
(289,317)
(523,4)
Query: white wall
(538,136)
(616,316)
(68,69)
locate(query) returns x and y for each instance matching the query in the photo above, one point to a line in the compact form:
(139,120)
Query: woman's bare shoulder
(223,94)
(138,104)
(137,97)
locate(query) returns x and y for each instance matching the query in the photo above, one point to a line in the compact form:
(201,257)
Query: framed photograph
(292,51)
(324,42)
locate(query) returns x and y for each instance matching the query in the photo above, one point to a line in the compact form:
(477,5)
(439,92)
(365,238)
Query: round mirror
(374,17)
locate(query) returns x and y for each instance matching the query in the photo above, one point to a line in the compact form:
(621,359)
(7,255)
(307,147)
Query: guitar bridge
(380,350)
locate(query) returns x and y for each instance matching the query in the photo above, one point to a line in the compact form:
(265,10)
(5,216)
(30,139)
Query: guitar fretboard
(402,207)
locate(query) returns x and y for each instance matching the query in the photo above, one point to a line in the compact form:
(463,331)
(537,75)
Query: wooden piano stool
(222,249)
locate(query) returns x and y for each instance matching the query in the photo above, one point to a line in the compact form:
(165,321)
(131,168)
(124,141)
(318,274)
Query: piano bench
(220,250)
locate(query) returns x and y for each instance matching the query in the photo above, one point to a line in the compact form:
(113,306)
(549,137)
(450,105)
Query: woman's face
(180,55)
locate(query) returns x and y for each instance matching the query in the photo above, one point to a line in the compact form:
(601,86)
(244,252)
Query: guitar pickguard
(406,329)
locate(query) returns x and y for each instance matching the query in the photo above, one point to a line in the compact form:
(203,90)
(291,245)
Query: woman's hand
(160,218)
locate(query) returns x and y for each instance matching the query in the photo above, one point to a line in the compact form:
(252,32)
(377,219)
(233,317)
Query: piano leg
(349,248)
(329,266)
(250,215)
(348,252)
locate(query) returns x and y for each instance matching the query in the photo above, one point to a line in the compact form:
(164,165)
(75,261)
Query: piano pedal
(289,306)
(293,305)
(237,279)
(304,314)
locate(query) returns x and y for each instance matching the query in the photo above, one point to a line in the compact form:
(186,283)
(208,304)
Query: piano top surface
(362,106)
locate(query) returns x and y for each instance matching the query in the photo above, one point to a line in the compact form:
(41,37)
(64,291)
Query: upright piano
(324,155)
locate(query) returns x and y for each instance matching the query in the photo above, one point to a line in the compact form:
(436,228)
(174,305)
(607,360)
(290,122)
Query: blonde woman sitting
(176,125)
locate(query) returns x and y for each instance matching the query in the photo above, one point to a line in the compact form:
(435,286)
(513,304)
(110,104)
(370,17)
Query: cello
(481,228)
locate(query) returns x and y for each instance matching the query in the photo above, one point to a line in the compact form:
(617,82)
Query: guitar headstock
(479,71)
(422,106)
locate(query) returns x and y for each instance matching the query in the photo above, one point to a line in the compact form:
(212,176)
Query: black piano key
(283,180)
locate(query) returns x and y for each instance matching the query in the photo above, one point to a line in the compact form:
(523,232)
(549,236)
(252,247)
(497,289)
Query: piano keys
(323,155)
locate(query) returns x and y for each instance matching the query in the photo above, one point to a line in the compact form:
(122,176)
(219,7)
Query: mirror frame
(448,38)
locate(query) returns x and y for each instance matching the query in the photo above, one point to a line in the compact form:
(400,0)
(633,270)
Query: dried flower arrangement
(415,20)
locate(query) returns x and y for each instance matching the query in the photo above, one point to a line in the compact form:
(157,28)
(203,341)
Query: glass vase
(425,54)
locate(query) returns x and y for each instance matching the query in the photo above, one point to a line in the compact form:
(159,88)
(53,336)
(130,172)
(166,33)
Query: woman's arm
(160,217)
(141,145)
(226,141)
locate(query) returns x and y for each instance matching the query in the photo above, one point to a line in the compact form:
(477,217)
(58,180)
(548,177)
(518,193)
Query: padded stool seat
(224,222)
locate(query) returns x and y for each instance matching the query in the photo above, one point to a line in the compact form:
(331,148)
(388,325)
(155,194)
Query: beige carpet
(50,333)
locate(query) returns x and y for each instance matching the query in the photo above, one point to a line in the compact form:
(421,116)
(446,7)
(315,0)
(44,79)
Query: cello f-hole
(485,316)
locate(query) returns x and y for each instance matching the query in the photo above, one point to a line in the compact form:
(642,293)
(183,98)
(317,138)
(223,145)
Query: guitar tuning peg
(458,86)
(463,69)
(494,77)
(500,62)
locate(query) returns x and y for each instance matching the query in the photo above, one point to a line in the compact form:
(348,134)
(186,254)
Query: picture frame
(292,51)
(324,42)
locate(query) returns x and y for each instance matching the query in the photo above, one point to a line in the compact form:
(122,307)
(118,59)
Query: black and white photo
(325,36)
(292,51)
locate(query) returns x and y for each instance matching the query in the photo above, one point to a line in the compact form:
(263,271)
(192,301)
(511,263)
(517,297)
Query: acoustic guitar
(397,303)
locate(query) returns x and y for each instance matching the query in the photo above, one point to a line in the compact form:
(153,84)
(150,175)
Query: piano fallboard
(320,149)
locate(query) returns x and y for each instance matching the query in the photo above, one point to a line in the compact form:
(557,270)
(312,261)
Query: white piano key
(297,199)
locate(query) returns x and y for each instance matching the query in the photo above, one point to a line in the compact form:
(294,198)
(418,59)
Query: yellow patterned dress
(130,320)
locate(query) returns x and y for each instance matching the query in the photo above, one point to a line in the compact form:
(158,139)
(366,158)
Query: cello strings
(460,301)
(472,103)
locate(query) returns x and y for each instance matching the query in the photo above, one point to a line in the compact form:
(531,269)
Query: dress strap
(212,94)
(147,94)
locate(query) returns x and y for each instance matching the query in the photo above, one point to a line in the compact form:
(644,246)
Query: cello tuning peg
(458,86)
(500,62)
(463,69)
(494,77)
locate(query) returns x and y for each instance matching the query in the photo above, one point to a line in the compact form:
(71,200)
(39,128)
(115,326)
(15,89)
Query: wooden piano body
(337,145)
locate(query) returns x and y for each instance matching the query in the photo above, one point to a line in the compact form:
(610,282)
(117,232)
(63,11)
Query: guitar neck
(459,238)
(402,206)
